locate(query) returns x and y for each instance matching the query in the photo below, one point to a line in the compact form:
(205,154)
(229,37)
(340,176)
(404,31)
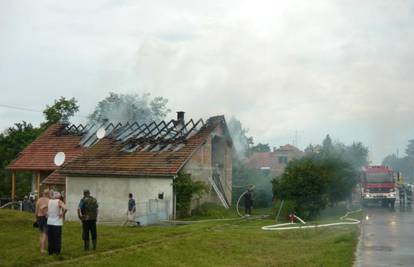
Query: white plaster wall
(112,194)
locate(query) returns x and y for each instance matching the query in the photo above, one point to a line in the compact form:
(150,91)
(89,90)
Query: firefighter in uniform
(87,213)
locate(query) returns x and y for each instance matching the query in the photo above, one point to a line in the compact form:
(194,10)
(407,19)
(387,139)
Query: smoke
(241,141)
(122,108)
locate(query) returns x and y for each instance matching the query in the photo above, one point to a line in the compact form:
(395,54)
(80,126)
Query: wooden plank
(13,192)
(38,184)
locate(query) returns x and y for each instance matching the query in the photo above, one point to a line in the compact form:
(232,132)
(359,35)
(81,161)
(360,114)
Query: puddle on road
(378,248)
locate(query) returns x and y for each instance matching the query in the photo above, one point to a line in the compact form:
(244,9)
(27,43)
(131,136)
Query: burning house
(138,158)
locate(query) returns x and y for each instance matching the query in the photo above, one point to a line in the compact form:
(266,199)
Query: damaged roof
(132,149)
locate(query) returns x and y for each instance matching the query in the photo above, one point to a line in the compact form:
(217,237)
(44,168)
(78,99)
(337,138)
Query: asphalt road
(387,237)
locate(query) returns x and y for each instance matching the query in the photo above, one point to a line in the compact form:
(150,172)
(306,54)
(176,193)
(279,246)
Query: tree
(327,145)
(60,111)
(260,148)
(314,181)
(410,149)
(404,165)
(303,185)
(341,177)
(130,107)
(12,142)
(357,155)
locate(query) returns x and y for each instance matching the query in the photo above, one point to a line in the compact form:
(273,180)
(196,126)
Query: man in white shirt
(55,213)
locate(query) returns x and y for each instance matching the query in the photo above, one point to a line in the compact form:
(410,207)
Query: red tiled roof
(108,158)
(271,159)
(55,178)
(40,154)
(261,159)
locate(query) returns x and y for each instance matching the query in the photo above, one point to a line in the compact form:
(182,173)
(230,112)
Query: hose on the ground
(292,226)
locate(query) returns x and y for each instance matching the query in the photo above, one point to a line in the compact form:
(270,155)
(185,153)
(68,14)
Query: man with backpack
(87,213)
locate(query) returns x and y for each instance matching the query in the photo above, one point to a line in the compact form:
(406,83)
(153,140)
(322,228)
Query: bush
(313,182)
(186,189)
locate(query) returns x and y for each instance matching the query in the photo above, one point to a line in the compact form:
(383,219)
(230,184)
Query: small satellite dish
(59,158)
(101,133)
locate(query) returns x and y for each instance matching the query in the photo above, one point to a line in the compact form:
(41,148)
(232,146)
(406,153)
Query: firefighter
(401,193)
(248,202)
(409,194)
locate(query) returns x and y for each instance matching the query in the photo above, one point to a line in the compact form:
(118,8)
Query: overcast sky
(286,69)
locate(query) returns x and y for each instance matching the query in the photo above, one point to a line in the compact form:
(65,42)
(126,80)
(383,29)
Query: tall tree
(357,155)
(12,142)
(327,145)
(61,110)
(410,149)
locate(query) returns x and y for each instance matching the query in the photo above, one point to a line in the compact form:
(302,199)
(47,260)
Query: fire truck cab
(378,185)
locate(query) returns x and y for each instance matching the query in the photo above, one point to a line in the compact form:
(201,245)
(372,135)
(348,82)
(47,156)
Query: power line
(32,110)
(19,108)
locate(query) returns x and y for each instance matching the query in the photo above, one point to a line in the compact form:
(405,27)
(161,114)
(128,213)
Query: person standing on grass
(41,218)
(248,202)
(56,211)
(131,209)
(87,213)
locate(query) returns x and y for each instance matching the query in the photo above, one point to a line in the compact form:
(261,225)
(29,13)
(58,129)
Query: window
(283,160)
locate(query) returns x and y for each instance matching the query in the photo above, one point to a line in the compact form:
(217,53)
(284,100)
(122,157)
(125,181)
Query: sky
(290,71)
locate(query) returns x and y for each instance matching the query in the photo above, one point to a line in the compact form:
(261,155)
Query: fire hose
(238,201)
(292,226)
(227,219)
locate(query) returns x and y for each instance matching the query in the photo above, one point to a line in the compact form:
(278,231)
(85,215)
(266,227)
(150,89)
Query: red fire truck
(378,185)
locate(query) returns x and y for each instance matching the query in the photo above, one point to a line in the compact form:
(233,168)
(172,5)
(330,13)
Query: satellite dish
(59,158)
(101,133)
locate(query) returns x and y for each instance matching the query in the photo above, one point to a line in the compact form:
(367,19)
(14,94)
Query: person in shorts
(41,218)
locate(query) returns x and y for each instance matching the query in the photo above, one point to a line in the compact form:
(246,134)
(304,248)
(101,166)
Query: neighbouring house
(274,162)
(142,159)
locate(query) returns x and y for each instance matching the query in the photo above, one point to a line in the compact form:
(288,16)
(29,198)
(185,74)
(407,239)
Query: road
(387,238)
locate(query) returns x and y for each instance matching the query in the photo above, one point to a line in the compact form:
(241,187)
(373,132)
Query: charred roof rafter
(154,136)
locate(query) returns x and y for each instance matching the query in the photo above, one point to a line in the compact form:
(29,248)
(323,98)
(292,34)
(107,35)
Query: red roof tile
(55,178)
(40,154)
(107,157)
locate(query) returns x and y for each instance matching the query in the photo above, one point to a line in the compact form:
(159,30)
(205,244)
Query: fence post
(13,192)
(280,209)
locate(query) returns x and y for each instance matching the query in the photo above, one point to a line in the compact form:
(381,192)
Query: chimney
(180,118)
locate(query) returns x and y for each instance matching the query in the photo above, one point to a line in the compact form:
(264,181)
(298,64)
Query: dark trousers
(88,226)
(54,238)
(248,209)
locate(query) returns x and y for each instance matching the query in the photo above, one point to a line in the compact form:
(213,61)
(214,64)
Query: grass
(220,243)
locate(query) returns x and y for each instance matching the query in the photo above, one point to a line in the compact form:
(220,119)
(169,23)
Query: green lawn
(225,243)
